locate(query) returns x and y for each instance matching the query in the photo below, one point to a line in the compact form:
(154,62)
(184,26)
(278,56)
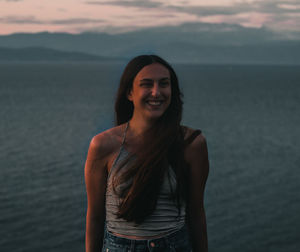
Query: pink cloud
(116,17)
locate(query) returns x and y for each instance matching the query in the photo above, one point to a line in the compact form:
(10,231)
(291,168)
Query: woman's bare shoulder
(107,141)
(197,148)
(188,132)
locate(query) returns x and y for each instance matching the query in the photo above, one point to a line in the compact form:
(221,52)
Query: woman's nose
(155,90)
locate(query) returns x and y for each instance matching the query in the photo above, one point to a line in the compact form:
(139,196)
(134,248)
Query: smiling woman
(151,92)
(145,177)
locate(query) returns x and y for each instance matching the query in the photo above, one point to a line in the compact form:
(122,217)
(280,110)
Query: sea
(249,114)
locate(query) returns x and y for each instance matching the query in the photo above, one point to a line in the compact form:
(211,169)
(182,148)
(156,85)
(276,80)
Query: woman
(145,178)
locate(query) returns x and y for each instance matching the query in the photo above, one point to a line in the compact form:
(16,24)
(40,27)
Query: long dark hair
(160,146)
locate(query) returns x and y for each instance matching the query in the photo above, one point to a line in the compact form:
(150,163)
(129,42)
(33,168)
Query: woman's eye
(164,84)
(146,84)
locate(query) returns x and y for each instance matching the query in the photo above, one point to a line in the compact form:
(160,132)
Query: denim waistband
(168,240)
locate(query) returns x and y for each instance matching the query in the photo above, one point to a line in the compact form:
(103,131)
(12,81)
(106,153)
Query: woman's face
(151,91)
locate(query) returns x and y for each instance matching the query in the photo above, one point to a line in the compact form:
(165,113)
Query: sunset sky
(75,16)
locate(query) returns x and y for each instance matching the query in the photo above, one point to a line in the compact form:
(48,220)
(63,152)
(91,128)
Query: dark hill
(46,54)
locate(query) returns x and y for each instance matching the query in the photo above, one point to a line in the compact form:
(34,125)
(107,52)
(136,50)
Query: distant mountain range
(46,54)
(188,43)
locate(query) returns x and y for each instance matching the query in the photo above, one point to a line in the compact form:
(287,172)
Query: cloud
(265,6)
(208,10)
(155,15)
(127,3)
(275,14)
(11,0)
(62,10)
(33,20)
(109,29)
(254,13)
(20,20)
(275,7)
(76,21)
(137,14)
(285,22)
(289,6)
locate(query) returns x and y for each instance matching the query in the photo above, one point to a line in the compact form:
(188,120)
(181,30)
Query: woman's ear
(129,95)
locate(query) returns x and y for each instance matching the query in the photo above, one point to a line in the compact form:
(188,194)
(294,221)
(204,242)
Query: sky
(117,16)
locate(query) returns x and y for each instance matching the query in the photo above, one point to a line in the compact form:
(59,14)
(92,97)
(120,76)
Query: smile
(155,103)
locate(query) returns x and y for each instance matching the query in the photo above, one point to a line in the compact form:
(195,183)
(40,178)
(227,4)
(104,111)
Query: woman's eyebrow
(164,78)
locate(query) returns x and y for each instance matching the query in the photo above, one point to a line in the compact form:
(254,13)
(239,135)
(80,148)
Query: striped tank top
(163,220)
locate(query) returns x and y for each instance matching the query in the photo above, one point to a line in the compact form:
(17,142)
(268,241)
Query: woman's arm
(95,178)
(197,157)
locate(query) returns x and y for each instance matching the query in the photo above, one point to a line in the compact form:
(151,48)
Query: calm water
(249,115)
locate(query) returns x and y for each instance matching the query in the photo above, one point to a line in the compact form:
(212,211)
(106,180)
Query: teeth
(154,102)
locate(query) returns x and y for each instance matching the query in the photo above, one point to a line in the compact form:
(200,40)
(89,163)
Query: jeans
(177,241)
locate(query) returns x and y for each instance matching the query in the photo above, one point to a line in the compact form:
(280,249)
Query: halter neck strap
(124,136)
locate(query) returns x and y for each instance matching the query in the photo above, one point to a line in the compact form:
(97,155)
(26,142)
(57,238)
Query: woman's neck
(137,127)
